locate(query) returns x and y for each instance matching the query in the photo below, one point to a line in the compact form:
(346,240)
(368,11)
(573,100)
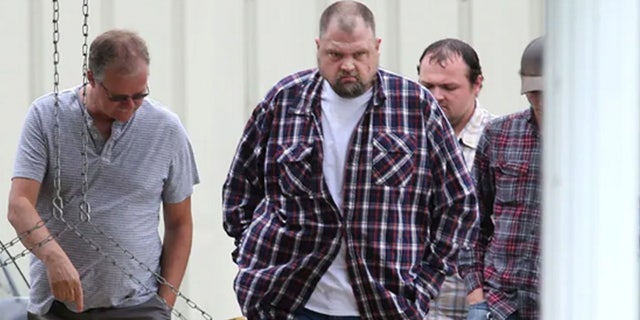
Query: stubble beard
(351,89)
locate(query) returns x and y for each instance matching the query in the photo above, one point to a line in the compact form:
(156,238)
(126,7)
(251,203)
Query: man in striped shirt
(502,270)
(348,196)
(450,69)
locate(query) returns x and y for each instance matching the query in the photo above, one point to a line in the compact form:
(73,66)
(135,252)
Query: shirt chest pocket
(299,170)
(511,181)
(393,163)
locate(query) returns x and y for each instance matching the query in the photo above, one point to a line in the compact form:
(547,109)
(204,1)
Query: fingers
(79,299)
(69,291)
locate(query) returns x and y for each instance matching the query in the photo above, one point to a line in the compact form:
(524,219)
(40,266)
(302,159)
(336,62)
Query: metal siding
(211,62)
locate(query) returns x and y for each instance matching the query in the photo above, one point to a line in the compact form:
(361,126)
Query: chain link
(12,260)
(115,263)
(85,37)
(28,250)
(85,207)
(161,280)
(58,203)
(17,240)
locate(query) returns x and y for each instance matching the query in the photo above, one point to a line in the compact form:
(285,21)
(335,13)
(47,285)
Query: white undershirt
(333,295)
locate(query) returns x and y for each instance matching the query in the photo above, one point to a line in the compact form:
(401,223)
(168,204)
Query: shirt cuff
(473,280)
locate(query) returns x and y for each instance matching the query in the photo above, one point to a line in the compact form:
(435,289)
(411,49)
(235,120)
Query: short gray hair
(121,49)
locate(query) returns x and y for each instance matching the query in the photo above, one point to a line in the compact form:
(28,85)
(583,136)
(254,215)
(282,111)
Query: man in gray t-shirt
(107,259)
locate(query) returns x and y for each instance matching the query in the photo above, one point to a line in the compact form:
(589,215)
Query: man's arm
(471,259)
(176,247)
(243,189)
(64,279)
(453,204)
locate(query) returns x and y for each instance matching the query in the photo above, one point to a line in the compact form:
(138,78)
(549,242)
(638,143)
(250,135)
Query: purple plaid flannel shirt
(409,203)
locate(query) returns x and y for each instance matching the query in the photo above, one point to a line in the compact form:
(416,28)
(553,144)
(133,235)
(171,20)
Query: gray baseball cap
(531,66)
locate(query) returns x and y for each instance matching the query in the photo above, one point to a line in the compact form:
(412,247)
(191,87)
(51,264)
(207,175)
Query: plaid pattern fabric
(408,201)
(451,303)
(506,259)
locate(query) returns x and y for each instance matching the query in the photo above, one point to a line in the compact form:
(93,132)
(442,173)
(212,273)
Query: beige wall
(212,60)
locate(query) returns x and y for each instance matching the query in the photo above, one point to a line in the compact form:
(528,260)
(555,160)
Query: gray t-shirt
(147,161)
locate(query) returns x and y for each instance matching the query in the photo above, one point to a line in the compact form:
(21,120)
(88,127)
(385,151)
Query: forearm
(32,230)
(64,279)
(175,256)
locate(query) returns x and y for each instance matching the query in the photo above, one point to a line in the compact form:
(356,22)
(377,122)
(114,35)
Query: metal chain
(3,248)
(161,280)
(115,263)
(28,250)
(58,203)
(85,207)
(85,36)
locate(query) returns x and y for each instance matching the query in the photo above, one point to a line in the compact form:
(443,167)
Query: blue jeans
(306,314)
(480,311)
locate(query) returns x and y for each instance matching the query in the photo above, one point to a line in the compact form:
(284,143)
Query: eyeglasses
(123,97)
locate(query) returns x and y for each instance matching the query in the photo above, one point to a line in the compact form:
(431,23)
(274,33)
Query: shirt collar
(311,95)
(470,134)
(533,121)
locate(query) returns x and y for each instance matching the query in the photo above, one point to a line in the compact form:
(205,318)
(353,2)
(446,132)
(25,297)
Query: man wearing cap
(502,269)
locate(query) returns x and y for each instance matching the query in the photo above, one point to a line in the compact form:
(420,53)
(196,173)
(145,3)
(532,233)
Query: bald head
(346,13)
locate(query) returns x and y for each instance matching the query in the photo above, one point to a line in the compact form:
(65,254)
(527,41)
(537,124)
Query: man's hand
(64,281)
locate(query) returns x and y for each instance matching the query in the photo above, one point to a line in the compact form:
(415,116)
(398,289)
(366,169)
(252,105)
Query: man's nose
(347,64)
(437,93)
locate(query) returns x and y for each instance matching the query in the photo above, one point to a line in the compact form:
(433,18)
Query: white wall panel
(213,60)
(216,98)
(285,32)
(421,23)
(500,30)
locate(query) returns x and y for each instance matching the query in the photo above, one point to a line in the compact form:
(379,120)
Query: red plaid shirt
(408,202)
(505,261)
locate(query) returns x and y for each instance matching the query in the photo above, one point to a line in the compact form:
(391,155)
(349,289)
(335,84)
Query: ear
(90,78)
(478,85)
(317,44)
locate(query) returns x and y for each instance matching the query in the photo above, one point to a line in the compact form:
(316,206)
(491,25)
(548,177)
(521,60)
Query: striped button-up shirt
(451,303)
(408,202)
(470,134)
(505,260)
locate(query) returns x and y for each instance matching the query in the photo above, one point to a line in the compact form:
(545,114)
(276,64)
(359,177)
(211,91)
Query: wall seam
(250,56)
